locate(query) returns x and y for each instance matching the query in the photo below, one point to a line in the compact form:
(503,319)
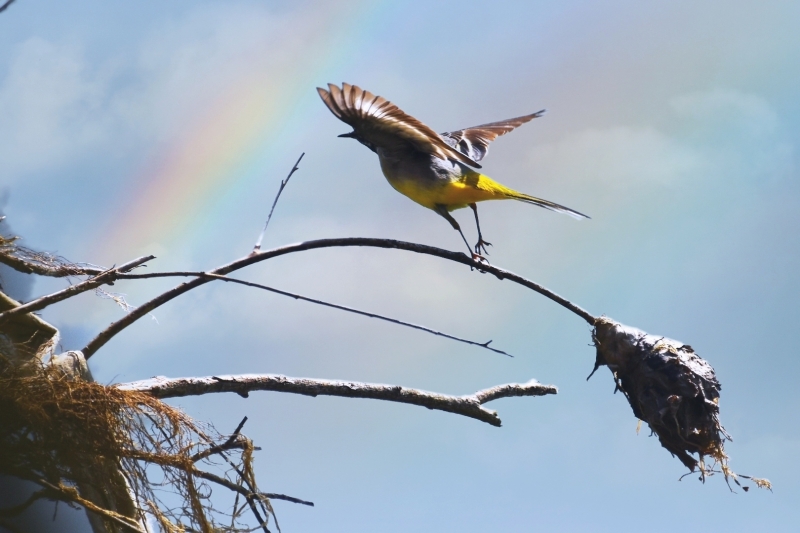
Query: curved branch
(256,257)
(243,384)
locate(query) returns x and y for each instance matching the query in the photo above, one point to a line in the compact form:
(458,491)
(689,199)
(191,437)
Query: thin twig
(235,441)
(3,8)
(231,443)
(244,492)
(295,168)
(238,428)
(342,308)
(107,277)
(284,497)
(262,522)
(248,495)
(458,257)
(243,384)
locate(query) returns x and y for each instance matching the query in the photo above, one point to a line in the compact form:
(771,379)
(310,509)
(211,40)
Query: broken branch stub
(668,386)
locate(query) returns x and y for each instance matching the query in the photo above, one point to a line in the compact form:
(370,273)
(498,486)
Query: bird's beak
(350,135)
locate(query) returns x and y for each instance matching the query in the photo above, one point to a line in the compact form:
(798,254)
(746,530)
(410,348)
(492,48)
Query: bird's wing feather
(474,142)
(383,124)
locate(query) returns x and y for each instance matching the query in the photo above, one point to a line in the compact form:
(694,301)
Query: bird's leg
(442,210)
(480,246)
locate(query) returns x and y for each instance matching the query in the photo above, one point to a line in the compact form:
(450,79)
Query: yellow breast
(470,188)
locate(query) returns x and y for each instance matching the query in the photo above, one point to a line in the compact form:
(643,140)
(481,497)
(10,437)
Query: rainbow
(229,144)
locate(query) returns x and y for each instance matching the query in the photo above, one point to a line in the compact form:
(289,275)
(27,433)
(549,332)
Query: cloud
(61,104)
(49,101)
(709,135)
(742,112)
(742,133)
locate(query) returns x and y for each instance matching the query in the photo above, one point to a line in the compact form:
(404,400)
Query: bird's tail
(552,206)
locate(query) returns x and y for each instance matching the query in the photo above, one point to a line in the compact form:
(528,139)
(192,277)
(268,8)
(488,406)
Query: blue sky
(673,124)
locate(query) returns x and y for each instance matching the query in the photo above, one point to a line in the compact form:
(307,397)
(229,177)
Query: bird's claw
(480,247)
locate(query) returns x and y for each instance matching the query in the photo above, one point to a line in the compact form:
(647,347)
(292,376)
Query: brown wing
(383,124)
(474,142)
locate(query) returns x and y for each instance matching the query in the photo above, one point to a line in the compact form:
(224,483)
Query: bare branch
(249,496)
(341,308)
(246,493)
(114,328)
(295,168)
(4,7)
(243,384)
(107,277)
(284,497)
(236,442)
(240,441)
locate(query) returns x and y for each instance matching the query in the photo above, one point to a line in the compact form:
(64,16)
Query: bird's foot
(480,247)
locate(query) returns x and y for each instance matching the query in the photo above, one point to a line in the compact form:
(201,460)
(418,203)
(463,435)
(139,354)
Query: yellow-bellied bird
(431,169)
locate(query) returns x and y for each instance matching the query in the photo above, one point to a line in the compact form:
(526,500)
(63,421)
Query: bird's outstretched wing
(474,142)
(380,122)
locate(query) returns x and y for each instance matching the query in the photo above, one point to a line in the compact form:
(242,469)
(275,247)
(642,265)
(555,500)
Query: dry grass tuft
(99,447)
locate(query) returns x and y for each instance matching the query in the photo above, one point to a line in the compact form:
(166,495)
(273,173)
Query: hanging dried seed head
(671,388)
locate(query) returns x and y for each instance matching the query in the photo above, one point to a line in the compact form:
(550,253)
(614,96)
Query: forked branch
(470,405)
(106,277)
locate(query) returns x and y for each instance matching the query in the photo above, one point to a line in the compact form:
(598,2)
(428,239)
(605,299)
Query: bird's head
(354,135)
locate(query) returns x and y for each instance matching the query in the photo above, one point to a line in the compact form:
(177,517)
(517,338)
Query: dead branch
(242,384)
(295,168)
(107,277)
(343,308)
(244,492)
(5,6)
(249,497)
(458,257)
(29,261)
(234,441)
(284,497)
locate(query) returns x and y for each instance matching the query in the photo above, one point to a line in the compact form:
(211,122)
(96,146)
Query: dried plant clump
(672,389)
(70,436)
(29,261)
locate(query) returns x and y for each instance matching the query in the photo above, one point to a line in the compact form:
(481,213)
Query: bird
(434,170)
